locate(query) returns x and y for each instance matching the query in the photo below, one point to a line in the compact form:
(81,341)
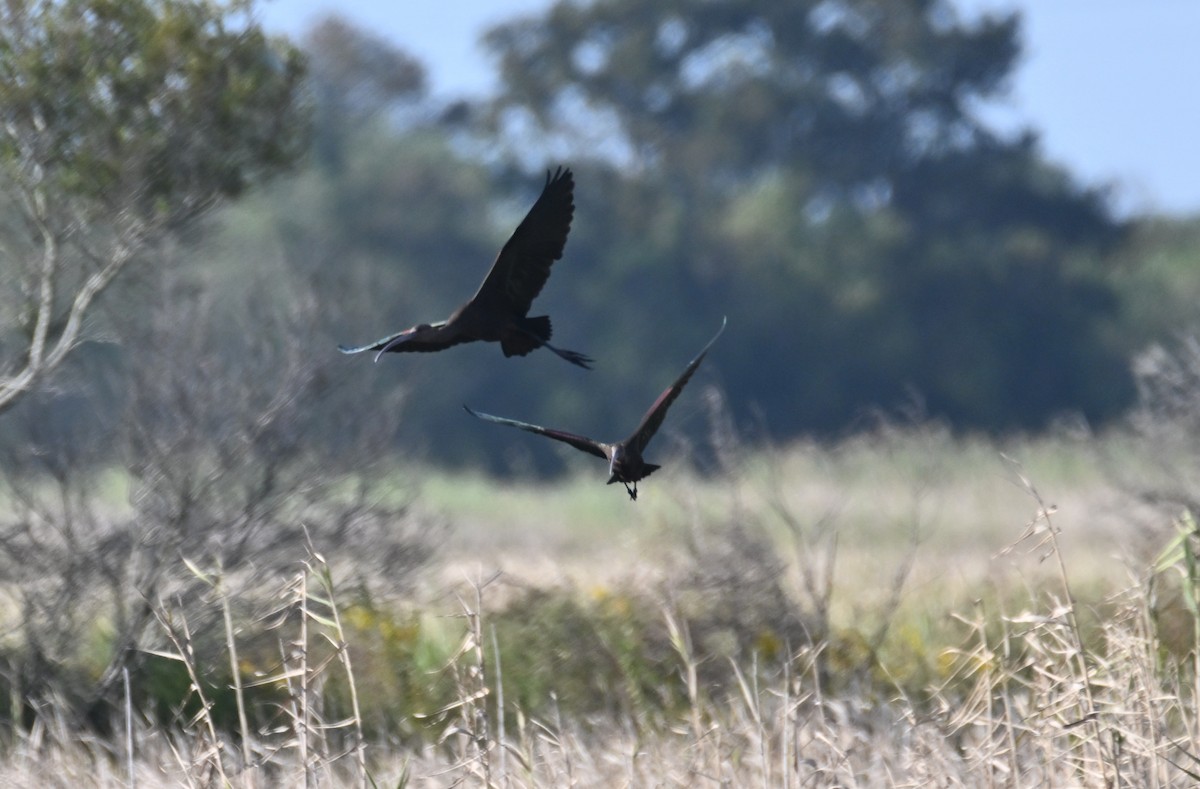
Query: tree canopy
(816,171)
(821,166)
(120,123)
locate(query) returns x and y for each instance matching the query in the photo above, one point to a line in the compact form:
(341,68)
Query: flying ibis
(498,311)
(625,462)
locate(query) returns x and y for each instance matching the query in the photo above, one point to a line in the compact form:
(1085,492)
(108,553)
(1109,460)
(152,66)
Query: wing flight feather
(582,443)
(653,419)
(523,265)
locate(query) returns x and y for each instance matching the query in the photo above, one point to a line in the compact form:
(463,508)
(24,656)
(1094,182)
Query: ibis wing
(523,265)
(653,419)
(579,442)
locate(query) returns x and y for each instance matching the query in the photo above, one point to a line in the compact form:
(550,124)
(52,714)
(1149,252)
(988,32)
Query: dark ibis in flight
(498,310)
(625,462)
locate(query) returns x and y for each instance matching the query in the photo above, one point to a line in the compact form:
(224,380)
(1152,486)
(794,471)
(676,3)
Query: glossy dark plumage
(498,310)
(625,461)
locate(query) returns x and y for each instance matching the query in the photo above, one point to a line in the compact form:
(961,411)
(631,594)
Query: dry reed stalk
(181,639)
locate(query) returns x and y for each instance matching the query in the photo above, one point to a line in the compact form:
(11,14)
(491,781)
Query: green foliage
(163,691)
(121,123)
(601,654)
(399,663)
(817,171)
(1176,580)
(1158,279)
(401,233)
(722,92)
(151,106)
(357,77)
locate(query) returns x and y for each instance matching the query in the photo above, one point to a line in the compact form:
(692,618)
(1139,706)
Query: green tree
(1157,274)
(819,171)
(386,225)
(356,78)
(121,122)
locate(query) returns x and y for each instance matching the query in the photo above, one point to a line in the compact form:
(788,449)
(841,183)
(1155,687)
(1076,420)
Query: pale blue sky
(1112,85)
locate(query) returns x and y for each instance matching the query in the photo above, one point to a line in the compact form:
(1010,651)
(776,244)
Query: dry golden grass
(1026,590)
(954,504)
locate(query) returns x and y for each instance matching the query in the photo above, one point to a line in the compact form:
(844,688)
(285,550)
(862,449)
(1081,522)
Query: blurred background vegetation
(193,215)
(816,171)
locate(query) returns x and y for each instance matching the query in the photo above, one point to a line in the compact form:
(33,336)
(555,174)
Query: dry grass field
(901,609)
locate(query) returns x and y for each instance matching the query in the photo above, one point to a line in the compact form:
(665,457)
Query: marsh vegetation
(925,516)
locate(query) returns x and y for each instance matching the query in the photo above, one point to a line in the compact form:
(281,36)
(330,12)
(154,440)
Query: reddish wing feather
(582,443)
(653,419)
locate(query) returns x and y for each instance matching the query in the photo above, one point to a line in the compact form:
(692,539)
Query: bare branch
(122,169)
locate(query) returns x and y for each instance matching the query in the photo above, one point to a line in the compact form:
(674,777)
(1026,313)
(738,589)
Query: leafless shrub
(1166,426)
(1027,697)
(757,580)
(218,454)
(731,587)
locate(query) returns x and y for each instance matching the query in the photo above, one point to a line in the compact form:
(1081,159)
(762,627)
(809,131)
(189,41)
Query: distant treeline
(816,172)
